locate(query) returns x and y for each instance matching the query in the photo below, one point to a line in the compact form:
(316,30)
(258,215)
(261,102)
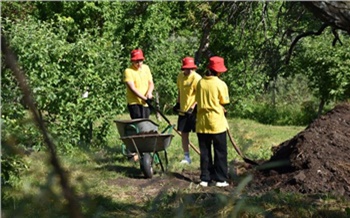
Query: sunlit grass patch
(256,140)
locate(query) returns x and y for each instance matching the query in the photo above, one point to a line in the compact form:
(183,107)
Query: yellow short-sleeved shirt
(140,79)
(211,94)
(187,89)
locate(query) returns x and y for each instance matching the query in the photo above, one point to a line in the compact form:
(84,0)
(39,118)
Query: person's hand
(149,102)
(225,112)
(189,112)
(149,96)
(176,107)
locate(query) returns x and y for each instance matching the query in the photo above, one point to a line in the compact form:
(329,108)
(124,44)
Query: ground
(317,160)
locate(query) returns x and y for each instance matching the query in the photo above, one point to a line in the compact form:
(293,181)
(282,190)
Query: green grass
(99,176)
(256,140)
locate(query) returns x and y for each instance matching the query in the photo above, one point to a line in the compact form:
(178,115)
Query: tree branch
(336,37)
(11,63)
(319,32)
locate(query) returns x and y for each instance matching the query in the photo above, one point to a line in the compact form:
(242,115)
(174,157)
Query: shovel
(168,121)
(239,151)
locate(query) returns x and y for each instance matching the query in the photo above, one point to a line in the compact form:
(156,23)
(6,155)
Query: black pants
(186,123)
(210,170)
(138,111)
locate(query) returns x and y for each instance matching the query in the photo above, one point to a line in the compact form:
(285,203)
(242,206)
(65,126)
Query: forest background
(67,49)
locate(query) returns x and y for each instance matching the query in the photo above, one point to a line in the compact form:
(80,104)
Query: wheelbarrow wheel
(146,165)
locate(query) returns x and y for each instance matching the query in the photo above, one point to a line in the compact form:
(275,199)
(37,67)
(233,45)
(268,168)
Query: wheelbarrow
(141,136)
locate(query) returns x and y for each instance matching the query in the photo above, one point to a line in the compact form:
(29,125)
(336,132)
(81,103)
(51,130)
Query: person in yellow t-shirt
(186,105)
(211,96)
(139,86)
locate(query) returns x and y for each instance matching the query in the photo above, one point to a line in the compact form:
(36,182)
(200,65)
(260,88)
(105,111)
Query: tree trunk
(320,107)
(204,45)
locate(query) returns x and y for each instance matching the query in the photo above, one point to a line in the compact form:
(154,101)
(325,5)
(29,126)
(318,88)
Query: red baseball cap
(216,63)
(137,54)
(188,63)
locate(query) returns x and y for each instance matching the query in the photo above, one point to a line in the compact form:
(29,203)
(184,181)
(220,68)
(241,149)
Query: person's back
(210,111)
(211,96)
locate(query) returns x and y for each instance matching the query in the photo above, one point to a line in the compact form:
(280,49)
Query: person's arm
(194,105)
(132,87)
(224,98)
(149,94)
(195,82)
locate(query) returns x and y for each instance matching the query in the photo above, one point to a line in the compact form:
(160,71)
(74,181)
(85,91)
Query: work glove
(176,108)
(149,102)
(189,112)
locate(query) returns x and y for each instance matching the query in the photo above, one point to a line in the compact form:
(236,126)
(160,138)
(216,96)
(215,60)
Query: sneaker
(203,184)
(221,184)
(186,161)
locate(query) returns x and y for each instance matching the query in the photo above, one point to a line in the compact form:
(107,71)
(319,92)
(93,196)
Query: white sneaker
(203,184)
(186,161)
(222,184)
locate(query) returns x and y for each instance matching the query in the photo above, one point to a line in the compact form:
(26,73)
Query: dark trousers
(138,111)
(210,170)
(186,123)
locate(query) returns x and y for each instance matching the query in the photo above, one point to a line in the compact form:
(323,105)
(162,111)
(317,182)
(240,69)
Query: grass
(100,177)
(256,140)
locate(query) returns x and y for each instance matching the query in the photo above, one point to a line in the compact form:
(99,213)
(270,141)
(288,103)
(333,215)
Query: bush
(60,73)
(279,115)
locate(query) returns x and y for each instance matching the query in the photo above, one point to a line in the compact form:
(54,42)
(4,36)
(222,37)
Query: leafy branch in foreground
(10,61)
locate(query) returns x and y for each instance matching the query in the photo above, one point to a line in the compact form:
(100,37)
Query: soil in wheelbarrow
(317,160)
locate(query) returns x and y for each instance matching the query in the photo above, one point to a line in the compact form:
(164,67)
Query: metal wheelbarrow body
(141,136)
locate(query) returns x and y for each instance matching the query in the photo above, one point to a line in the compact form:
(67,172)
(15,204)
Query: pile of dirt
(317,160)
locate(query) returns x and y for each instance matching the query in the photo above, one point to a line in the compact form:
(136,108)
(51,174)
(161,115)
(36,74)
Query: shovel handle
(239,150)
(177,131)
(234,144)
(192,146)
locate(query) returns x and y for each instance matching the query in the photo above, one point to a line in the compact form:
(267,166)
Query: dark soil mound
(317,160)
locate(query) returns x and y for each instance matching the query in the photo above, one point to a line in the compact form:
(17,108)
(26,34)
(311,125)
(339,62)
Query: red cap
(216,63)
(137,54)
(188,63)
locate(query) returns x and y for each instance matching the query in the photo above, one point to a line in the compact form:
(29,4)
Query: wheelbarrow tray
(147,143)
(136,126)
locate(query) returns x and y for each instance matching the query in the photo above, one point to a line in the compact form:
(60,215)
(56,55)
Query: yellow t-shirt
(187,89)
(140,79)
(211,94)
